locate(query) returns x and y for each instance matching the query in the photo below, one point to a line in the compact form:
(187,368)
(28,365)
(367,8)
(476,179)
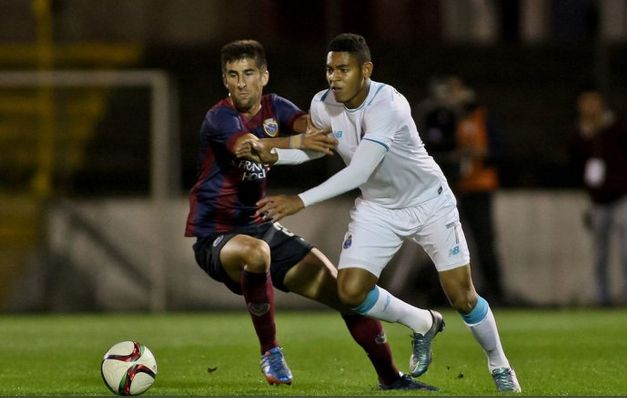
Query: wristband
(295,141)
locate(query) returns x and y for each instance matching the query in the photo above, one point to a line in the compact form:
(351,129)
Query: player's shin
(382,305)
(369,334)
(259,295)
(482,324)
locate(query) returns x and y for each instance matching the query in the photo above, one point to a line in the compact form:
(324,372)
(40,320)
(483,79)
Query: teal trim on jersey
(369,302)
(324,96)
(363,104)
(478,313)
(387,148)
(375,94)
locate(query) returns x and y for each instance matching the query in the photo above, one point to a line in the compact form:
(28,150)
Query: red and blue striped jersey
(227,188)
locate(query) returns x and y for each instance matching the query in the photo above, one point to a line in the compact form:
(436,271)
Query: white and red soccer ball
(128,368)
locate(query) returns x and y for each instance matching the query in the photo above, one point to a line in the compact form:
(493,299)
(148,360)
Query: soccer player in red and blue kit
(239,248)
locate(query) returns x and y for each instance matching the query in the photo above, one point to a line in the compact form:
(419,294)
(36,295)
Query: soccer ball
(128,368)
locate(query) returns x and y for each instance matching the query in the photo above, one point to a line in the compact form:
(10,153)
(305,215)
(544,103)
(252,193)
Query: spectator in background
(478,149)
(463,139)
(600,149)
(437,122)
(436,119)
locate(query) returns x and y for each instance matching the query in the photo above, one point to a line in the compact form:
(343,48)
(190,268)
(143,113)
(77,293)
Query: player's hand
(245,150)
(274,208)
(311,128)
(256,150)
(261,150)
(319,141)
(243,147)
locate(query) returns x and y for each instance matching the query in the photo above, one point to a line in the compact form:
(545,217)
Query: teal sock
(478,313)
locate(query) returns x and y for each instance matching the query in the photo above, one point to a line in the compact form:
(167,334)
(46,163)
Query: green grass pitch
(555,352)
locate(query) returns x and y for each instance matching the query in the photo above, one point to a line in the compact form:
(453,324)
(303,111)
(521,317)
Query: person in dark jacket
(601,151)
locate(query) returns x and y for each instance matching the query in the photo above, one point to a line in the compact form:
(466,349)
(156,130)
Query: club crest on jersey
(348,241)
(271,127)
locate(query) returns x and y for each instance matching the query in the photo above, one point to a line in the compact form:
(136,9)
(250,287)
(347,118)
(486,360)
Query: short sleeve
(385,117)
(317,112)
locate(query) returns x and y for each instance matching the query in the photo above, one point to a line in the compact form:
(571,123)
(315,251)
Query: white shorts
(376,233)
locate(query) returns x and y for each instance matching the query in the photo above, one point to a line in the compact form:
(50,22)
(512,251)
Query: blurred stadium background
(101,101)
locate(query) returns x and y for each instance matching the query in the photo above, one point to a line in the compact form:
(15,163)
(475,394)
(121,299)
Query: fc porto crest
(348,241)
(271,127)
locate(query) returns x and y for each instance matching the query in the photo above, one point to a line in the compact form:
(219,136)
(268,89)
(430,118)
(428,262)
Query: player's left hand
(274,208)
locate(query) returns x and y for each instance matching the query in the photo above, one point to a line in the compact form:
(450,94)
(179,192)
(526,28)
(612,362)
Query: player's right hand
(320,142)
(259,150)
(243,148)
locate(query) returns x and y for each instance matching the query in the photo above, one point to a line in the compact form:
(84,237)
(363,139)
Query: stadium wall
(99,251)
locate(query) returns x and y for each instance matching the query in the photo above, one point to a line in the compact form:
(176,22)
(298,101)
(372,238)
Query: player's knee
(464,302)
(256,256)
(351,295)
(459,289)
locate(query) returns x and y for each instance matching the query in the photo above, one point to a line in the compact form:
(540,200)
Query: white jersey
(407,175)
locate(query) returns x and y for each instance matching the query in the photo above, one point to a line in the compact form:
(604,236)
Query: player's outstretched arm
(313,140)
(258,151)
(295,149)
(253,148)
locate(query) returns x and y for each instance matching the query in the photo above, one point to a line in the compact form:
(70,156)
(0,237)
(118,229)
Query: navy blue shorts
(286,250)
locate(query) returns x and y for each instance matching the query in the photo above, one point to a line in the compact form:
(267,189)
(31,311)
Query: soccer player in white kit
(404,195)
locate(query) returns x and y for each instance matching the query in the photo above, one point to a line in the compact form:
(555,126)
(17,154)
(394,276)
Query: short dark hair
(240,49)
(352,43)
